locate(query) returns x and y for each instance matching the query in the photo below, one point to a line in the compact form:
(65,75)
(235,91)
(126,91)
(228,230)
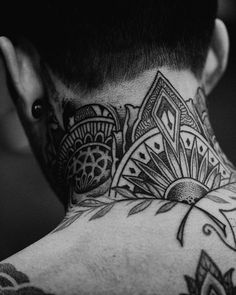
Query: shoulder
(140,247)
(148,247)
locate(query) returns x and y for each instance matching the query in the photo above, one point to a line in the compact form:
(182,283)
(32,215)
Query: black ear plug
(37,109)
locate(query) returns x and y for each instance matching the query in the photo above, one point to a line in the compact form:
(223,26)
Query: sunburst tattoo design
(169,157)
(164,150)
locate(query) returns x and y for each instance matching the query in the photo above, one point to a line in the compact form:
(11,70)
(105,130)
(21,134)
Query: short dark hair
(97,42)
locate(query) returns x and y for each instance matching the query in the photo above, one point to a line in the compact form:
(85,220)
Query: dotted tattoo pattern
(162,153)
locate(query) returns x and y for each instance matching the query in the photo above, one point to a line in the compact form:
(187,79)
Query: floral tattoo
(162,153)
(209,280)
(14,282)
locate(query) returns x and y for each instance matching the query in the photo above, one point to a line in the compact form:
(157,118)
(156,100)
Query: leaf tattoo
(209,280)
(140,207)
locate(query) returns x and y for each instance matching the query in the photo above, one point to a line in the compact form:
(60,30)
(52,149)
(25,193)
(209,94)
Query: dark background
(29,209)
(222,102)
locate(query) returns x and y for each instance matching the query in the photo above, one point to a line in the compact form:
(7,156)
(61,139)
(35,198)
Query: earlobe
(22,68)
(217,58)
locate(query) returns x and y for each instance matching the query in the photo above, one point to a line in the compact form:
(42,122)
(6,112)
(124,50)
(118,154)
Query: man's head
(88,47)
(108,41)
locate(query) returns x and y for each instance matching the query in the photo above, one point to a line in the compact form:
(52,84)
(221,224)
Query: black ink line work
(14,282)
(209,280)
(162,153)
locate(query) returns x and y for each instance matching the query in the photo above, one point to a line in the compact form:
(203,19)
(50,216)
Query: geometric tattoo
(14,282)
(162,153)
(209,280)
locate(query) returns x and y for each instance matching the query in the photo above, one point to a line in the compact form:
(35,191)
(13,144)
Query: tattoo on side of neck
(162,153)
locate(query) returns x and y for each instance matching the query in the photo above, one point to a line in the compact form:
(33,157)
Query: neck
(142,139)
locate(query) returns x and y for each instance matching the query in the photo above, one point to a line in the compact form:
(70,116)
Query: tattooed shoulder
(209,279)
(14,282)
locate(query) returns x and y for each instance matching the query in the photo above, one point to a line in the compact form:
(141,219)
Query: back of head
(90,44)
(87,47)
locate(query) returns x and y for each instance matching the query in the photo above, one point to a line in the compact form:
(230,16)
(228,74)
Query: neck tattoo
(162,152)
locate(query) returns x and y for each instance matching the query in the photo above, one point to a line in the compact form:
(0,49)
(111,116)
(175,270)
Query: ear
(22,63)
(217,58)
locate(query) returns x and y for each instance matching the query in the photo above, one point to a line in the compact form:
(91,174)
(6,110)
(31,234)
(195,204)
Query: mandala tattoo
(162,153)
(14,282)
(209,280)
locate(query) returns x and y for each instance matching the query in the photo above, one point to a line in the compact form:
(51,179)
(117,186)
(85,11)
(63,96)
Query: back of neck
(140,139)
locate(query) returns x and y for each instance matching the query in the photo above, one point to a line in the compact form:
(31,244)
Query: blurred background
(28,207)
(222,102)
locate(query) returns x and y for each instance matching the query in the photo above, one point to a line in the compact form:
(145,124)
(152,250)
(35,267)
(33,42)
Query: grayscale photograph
(118,147)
